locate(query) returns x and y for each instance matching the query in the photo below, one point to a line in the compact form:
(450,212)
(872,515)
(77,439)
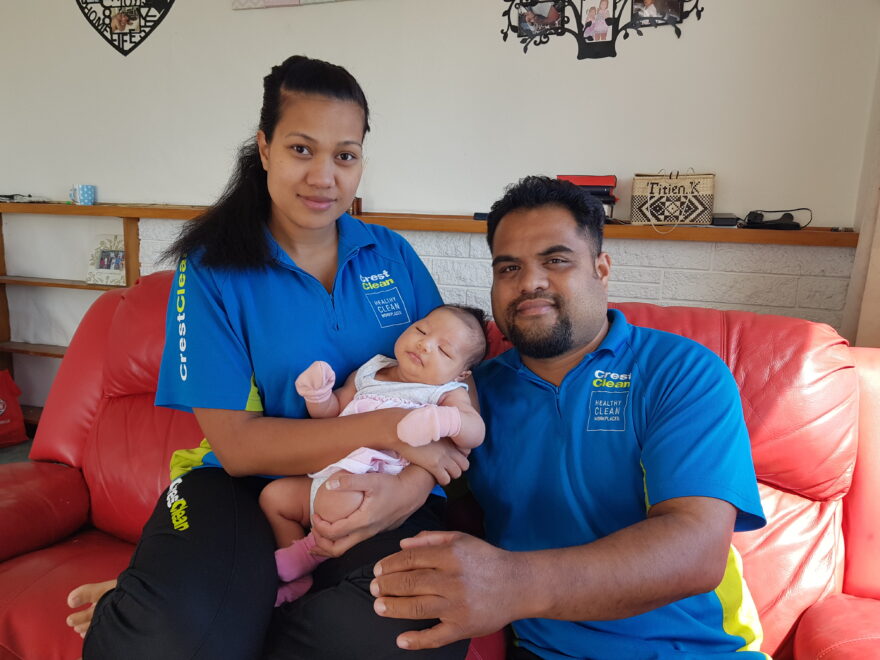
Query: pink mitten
(429,423)
(315,384)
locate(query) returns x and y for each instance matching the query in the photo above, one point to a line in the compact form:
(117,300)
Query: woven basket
(672,199)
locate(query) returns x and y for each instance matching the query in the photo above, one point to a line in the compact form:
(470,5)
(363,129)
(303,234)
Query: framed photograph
(647,13)
(598,17)
(107,261)
(125,20)
(540,16)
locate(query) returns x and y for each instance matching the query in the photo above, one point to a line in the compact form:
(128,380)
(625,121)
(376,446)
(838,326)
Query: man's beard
(541,343)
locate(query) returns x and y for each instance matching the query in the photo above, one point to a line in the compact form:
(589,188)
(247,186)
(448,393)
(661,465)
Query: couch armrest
(839,627)
(39,503)
(861,506)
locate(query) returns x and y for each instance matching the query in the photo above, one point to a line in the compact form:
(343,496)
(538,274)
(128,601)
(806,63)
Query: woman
(272,277)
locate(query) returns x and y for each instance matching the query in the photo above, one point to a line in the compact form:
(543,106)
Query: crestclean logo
(611,380)
(177,505)
(180,306)
(377,281)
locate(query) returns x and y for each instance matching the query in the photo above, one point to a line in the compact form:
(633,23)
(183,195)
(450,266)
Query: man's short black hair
(536,191)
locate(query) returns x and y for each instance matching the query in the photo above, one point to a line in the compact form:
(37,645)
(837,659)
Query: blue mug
(83,194)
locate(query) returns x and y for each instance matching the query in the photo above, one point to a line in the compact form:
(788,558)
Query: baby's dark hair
(476,320)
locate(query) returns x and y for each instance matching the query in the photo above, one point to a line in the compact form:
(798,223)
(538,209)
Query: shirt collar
(353,235)
(618,333)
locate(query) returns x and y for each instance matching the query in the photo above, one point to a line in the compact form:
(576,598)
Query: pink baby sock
(295,560)
(290,591)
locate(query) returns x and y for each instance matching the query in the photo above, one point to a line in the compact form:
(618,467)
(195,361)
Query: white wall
(866,223)
(773,97)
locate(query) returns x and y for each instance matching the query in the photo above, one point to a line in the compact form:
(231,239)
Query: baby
(432,358)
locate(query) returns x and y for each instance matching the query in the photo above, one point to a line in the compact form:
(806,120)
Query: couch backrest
(799,392)
(797,381)
(100,416)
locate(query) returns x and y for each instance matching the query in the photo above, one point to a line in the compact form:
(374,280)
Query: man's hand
(471,586)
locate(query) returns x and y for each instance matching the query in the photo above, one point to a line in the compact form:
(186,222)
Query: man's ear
(603,267)
(463,376)
(263,147)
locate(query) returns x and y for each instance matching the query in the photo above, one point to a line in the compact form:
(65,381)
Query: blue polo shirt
(237,339)
(648,416)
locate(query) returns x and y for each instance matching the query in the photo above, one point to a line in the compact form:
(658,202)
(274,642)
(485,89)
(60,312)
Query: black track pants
(201,586)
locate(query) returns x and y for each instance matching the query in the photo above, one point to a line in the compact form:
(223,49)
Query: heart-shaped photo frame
(124,24)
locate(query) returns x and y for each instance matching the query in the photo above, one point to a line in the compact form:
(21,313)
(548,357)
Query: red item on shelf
(11,417)
(589,179)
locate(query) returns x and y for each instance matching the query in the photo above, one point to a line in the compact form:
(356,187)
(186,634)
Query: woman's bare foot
(86,594)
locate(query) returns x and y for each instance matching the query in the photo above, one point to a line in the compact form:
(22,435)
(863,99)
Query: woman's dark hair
(476,318)
(534,192)
(231,231)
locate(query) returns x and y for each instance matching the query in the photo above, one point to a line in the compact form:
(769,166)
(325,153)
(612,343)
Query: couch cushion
(34,588)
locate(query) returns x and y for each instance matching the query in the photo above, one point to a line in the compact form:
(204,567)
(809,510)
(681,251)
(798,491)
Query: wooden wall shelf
(40,350)
(62,284)
(163,211)
(818,236)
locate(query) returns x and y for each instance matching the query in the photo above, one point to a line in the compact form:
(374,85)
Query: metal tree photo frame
(595,24)
(265,4)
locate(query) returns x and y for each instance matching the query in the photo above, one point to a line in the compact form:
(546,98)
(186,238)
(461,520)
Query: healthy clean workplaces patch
(389,307)
(608,401)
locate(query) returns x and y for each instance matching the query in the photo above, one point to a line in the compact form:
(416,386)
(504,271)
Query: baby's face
(435,350)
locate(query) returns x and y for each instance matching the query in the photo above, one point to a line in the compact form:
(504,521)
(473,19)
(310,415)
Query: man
(615,468)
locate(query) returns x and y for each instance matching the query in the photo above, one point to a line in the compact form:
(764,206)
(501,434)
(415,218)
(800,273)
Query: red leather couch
(100,459)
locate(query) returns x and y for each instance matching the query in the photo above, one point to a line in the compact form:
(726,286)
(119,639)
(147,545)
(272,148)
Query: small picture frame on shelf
(107,261)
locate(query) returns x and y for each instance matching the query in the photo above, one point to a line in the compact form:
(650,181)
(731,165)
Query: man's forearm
(655,562)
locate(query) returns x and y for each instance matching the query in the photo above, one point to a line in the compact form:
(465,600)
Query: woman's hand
(443,459)
(388,501)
